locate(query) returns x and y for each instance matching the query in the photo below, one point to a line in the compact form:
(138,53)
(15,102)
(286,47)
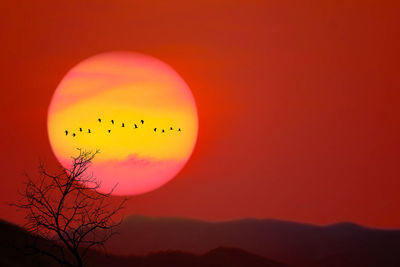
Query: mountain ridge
(150,241)
(292,243)
(14,253)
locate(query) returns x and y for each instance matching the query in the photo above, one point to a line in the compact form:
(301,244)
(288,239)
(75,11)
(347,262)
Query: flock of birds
(135,126)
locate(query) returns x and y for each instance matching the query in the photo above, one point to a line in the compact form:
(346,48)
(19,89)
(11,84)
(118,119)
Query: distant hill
(12,248)
(218,257)
(183,242)
(14,254)
(296,244)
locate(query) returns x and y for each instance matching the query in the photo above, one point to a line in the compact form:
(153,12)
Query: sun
(132,107)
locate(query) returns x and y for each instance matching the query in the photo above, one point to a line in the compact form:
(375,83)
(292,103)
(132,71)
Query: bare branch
(66,206)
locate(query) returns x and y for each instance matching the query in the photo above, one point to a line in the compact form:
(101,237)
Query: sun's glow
(125,88)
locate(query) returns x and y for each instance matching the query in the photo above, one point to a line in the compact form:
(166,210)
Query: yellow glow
(126,88)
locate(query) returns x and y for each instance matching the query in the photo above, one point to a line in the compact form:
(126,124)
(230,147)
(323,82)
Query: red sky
(298,100)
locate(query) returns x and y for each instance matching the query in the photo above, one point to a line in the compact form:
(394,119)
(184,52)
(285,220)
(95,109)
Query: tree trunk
(79,262)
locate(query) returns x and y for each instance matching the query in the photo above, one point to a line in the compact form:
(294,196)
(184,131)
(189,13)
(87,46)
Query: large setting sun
(135,109)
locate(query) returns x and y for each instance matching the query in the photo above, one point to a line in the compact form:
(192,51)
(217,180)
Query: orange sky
(298,101)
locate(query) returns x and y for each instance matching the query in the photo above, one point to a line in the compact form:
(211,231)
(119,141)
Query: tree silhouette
(67,209)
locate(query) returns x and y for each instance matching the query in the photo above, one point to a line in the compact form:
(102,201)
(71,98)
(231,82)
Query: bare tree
(67,209)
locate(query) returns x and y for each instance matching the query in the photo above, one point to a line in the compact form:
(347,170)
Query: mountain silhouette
(295,244)
(185,242)
(14,253)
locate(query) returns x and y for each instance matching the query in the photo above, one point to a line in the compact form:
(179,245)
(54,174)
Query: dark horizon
(159,241)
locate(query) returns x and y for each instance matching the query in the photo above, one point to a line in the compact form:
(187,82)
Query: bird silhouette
(170,128)
(123,125)
(162,130)
(179,129)
(155,129)
(80,129)
(109,131)
(99,119)
(66,132)
(142,121)
(73,134)
(89,131)
(135,126)
(112,121)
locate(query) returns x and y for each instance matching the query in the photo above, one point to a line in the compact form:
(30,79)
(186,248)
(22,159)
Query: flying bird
(99,119)
(80,129)
(155,129)
(73,134)
(142,121)
(135,126)
(123,125)
(89,131)
(66,132)
(109,131)
(170,128)
(162,130)
(179,129)
(112,121)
